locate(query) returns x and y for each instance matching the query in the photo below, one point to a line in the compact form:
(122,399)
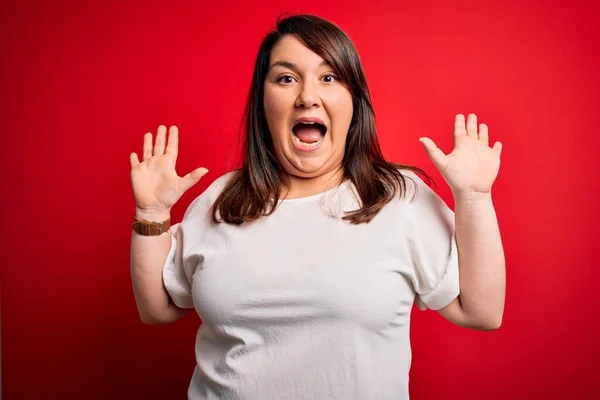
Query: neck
(297,187)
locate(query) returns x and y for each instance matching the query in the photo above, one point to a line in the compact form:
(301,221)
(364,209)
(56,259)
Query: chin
(309,167)
(306,164)
(305,170)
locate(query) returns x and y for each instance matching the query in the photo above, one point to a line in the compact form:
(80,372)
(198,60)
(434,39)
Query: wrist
(472,196)
(152,215)
(151,223)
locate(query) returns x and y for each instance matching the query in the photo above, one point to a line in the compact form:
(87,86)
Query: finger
(483,134)
(472,125)
(173,142)
(133,159)
(497,148)
(435,154)
(161,138)
(147,150)
(192,178)
(459,126)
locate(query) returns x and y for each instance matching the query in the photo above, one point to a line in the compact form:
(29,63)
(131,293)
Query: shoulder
(420,195)
(203,202)
(216,186)
(415,187)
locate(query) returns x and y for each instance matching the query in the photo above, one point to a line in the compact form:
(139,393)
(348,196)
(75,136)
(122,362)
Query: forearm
(148,255)
(481,260)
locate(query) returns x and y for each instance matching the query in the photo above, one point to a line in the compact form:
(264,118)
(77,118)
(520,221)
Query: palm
(156,185)
(472,166)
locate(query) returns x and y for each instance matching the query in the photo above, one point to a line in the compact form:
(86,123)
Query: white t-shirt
(302,305)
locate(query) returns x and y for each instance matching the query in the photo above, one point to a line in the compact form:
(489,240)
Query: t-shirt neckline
(314,196)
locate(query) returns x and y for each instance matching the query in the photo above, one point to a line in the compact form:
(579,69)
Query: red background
(83,81)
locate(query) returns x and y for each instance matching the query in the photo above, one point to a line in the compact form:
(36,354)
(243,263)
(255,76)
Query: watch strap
(151,228)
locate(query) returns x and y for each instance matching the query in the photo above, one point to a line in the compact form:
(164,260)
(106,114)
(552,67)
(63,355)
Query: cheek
(348,108)
(275,108)
(269,102)
(341,112)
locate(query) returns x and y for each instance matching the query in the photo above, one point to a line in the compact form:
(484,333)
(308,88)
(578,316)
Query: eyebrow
(292,66)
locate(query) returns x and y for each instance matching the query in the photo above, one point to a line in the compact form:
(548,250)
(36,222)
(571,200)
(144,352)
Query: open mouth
(308,135)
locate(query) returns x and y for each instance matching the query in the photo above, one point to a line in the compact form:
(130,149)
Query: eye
(285,79)
(330,78)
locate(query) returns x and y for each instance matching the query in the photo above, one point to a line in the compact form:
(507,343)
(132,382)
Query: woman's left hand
(472,166)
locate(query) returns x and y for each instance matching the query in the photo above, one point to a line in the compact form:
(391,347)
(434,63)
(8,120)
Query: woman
(304,264)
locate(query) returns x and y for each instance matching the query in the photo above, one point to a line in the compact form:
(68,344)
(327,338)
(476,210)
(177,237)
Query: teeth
(306,145)
(308,123)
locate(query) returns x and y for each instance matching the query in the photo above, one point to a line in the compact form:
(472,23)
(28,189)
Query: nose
(308,96)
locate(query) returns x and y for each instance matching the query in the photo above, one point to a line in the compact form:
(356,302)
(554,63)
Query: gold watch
(151,228)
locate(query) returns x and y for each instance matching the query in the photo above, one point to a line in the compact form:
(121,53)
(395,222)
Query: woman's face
(308,110)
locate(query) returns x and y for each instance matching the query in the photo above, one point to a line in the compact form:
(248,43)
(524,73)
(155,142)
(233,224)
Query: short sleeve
(432,243)
(179,267)
(176,278)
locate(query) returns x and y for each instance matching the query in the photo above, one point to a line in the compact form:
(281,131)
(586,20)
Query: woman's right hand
(156,185)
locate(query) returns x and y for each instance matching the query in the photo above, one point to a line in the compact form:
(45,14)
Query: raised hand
(156,185)
(472,166)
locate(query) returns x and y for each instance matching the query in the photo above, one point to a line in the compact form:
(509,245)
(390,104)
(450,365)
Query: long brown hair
(253,190)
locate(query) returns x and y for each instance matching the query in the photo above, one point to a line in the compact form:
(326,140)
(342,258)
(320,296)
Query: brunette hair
(253,190)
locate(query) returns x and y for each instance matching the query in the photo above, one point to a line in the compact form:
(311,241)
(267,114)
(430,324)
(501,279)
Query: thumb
(497,148)
(435,154)
(192,178)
